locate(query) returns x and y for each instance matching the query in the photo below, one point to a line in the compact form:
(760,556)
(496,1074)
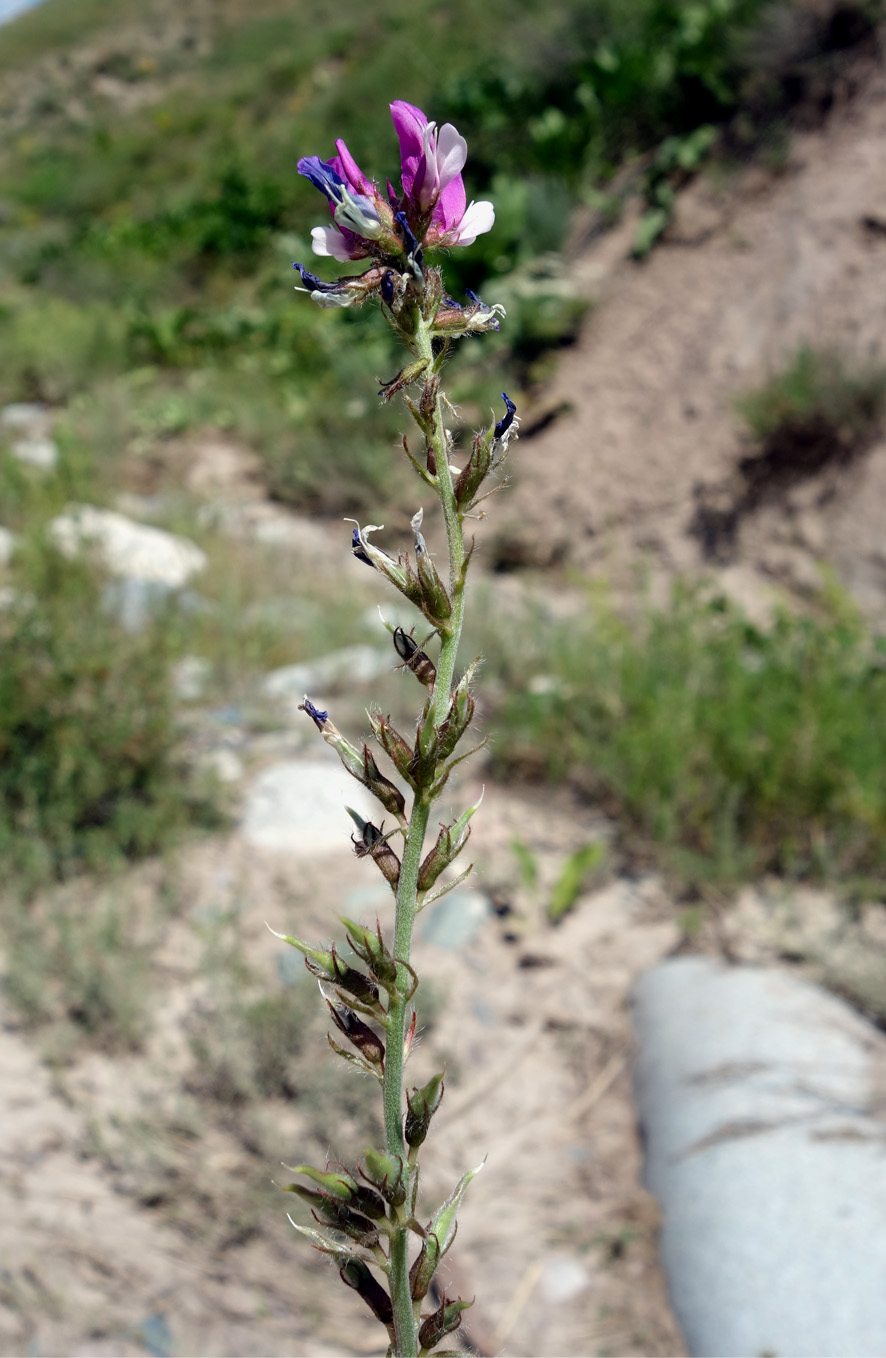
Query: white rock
(25,415)
(564,1277)
(224,763)
(298,807)
(190,677)
(328,673)
(7,546)
(36,452)
(127,548)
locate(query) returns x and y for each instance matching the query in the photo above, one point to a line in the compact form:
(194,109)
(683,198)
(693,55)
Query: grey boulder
(761,1100)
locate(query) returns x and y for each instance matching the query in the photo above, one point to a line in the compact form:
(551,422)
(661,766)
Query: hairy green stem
(405,1329)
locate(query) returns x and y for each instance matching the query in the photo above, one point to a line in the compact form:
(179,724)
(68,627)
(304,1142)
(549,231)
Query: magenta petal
(409,124)
(350,171)
(450,206)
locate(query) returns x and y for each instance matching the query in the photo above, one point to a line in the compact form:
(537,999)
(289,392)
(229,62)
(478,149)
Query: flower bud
(399,572)
(405,377)
(421,1105)
(370,947)
(459,716)
(422,1270)
(443,1321)
(477,469)
(338,1184)
(393,744)
(336,1213)
(368,1043)
(356,1274)
(386,1172)
(373,842)
(382,788)
(450,842)
(436,603)
(345,977)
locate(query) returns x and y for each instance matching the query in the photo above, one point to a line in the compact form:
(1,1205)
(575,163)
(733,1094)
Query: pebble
(328,673)
(298,807)
(455,920)
(41,453)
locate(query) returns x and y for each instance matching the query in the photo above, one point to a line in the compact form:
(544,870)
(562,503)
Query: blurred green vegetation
(819,395)
(152,227)
(730,749)
(149,211)
(91,770)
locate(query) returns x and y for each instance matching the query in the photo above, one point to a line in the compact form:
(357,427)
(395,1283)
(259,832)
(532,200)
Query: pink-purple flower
(432,209)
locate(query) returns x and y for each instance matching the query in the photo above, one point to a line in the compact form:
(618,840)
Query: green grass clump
(90,772)
(820,396)
(736,750)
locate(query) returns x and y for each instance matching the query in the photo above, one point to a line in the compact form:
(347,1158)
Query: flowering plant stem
(405,1328)
(372,1224)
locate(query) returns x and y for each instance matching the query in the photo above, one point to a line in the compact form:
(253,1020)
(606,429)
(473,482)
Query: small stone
(37,452)
(563,1278)
(190,677)
(7,546)
(454,921)
(298,807)
(327,674)
(127,548)
(224,764)
(25,415)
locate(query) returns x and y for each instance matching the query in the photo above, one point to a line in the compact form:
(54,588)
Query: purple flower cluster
(432,209)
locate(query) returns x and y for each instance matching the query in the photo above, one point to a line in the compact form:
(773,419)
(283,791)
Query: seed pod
(382,788)
(436,603)
(368,1043)
(414,659)
(373,842)
(370,946)
(393,744)
(477,469)
(346,978)
(356,1274)
(443,1321)
(386,1172)
(422,1270)
(336,1213)
(421,1106)
(450,842)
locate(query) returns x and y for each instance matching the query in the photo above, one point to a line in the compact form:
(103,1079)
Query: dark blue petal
(319,718)
(313,283)
(413,249)
(387,287)
(358,549)
(504,424)
(323,177)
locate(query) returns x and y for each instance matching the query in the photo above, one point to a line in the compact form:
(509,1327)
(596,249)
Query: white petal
(452,152)
(326,240)
(479,217)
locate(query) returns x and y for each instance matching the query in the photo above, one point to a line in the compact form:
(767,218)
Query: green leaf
(571,880)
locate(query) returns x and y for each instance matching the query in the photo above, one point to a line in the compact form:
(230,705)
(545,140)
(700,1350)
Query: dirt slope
(749,272)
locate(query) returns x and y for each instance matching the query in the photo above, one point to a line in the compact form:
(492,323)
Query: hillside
(651,468)
(160,1054)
